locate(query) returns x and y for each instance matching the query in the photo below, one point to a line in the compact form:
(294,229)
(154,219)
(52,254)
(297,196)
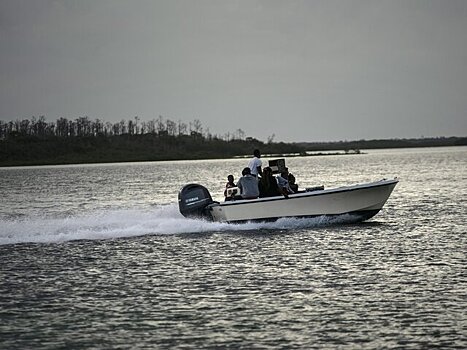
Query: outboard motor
(193,200)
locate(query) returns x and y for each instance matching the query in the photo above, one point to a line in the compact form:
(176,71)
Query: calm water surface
(97,256)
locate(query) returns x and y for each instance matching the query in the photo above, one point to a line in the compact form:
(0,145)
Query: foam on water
(120,223)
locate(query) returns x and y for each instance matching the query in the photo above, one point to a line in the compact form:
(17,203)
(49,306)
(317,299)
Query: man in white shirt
(255,164)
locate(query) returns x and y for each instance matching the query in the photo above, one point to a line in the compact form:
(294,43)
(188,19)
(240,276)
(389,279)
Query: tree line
(36,141)
(87,127)
(83,140)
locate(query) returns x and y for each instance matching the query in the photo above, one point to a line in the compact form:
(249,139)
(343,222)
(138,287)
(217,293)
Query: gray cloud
(302,70)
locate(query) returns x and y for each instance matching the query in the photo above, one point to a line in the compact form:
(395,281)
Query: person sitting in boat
(268,186)
(255,164)
(230,184)
(248,185)
(292,183)
(283,182)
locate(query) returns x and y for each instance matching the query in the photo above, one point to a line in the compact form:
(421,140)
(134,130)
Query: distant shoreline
(83,140)
(385,143)
(306,154)
(32,151)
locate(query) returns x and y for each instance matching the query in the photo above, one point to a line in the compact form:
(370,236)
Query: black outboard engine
(193,200)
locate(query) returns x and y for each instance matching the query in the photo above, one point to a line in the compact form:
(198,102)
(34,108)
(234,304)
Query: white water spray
(121,223)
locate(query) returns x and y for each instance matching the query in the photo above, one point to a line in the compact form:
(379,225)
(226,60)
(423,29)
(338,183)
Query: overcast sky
(301,70)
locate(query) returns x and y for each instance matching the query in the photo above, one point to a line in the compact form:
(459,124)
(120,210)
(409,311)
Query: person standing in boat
(248,185)
(255,164)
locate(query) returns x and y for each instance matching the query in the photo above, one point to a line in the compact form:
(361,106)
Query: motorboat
(352,204)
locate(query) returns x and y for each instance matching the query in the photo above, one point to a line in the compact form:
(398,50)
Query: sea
(97,256)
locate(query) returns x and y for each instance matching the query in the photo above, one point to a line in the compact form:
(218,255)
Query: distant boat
(351,204)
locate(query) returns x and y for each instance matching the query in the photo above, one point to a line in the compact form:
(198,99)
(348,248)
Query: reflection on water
(99,257)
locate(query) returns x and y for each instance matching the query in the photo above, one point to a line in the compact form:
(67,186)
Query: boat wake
(122,223)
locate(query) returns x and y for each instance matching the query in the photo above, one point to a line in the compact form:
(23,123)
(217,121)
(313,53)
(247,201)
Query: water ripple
(105,268)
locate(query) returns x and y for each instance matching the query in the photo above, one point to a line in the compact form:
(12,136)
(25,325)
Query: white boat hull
(360,202)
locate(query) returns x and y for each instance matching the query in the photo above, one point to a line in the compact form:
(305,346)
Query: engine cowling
(193,200)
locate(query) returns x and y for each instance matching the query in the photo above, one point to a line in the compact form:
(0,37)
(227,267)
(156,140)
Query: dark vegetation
(36,141)
(379,144)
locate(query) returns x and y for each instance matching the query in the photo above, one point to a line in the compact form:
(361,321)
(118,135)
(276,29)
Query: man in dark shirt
(268,185)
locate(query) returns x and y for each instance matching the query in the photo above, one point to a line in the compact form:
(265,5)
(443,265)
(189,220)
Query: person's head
(230,178)
(257,153)
(267,171)
(246,171)
(285,173)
